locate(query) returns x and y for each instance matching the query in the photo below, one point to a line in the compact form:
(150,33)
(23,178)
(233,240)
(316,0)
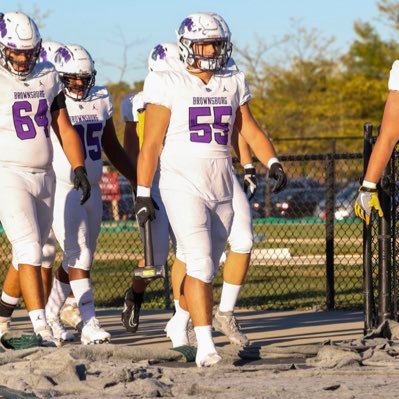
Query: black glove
(81,181)
(276,172)
(250,183)
(145,209)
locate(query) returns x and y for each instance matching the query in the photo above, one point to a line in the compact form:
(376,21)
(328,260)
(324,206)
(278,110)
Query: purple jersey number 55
(219,129)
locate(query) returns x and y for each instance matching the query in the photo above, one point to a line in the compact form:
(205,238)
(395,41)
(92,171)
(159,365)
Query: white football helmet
(18,33)
(164,57)
(203,28)
(74,62)
(48,50)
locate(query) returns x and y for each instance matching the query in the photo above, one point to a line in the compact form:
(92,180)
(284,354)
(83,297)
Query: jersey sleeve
(110,105)
(127,108)
(156,90)
(243,89)
(137,104)
(393,83)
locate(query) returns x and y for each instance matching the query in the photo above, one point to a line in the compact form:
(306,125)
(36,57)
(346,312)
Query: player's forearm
(379,159)
(263,149)
(72,147)
(123,163)
(146,167)
(244,151)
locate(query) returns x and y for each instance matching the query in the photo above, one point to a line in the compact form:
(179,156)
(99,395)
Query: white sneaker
(92,333)
(58,329)
(70,316)
(47,338)
(207,360)
(4,327)
(226,323)
(176,332)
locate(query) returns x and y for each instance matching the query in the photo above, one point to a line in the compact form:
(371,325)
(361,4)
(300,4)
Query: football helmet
(19,36)
(164,57)
(76,69)
(48,50)
(203,28)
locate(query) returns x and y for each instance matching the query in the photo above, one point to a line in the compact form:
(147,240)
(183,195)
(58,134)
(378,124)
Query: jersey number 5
(91,143)
(222,128)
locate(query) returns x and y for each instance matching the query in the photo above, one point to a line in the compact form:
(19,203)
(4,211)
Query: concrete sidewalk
(279,328)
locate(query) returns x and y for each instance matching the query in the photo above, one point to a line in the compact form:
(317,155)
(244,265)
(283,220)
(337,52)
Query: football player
(193,130)
(32,100)
(367,200)
(77,228)
(162,57)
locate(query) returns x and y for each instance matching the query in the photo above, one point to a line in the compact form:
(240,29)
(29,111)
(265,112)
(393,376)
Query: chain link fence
(308,244)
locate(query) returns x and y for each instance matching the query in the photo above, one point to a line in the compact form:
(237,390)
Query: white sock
(179,309)
(83,293)
(38,319)
(11,300)
(229,297)
(204,340)
(58,295)
(70,300)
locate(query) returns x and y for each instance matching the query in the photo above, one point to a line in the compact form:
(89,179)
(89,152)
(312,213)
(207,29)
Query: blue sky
(103,26)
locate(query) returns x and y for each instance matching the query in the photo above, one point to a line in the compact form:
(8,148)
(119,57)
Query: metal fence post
(330,214)
(368,286)
(384,248)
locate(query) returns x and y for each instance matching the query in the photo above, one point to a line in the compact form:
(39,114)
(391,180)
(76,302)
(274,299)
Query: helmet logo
(64,53)
(159,52)
(3,28)
(187,24)
(43,54)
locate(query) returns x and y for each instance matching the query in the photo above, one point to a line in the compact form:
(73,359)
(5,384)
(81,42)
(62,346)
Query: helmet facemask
(214,62)
(16,65)
(78,91)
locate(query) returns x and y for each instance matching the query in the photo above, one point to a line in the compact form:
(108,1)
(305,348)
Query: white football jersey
(393,83)
(129,106)
(25,117)
(199,132)
(88,117)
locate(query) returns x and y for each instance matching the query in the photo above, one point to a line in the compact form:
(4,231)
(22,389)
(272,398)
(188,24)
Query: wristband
(369,184)
(143,191)
(271,161)
(248,166)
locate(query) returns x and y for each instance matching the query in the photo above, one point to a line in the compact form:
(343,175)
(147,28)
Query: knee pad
(49,253)
(203,271)
(242,245)
(79,260)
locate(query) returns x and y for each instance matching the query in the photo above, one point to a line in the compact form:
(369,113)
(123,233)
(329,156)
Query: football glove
(250,183)
(276,172)
(145,209)
(367,201)
(81,181)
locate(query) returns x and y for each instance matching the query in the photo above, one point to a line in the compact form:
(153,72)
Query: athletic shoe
(176,332)
(58,329)
(46,337)
(192,338)
(208,360)
(70,316)
(92,333)
(131,310)
(226,323)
